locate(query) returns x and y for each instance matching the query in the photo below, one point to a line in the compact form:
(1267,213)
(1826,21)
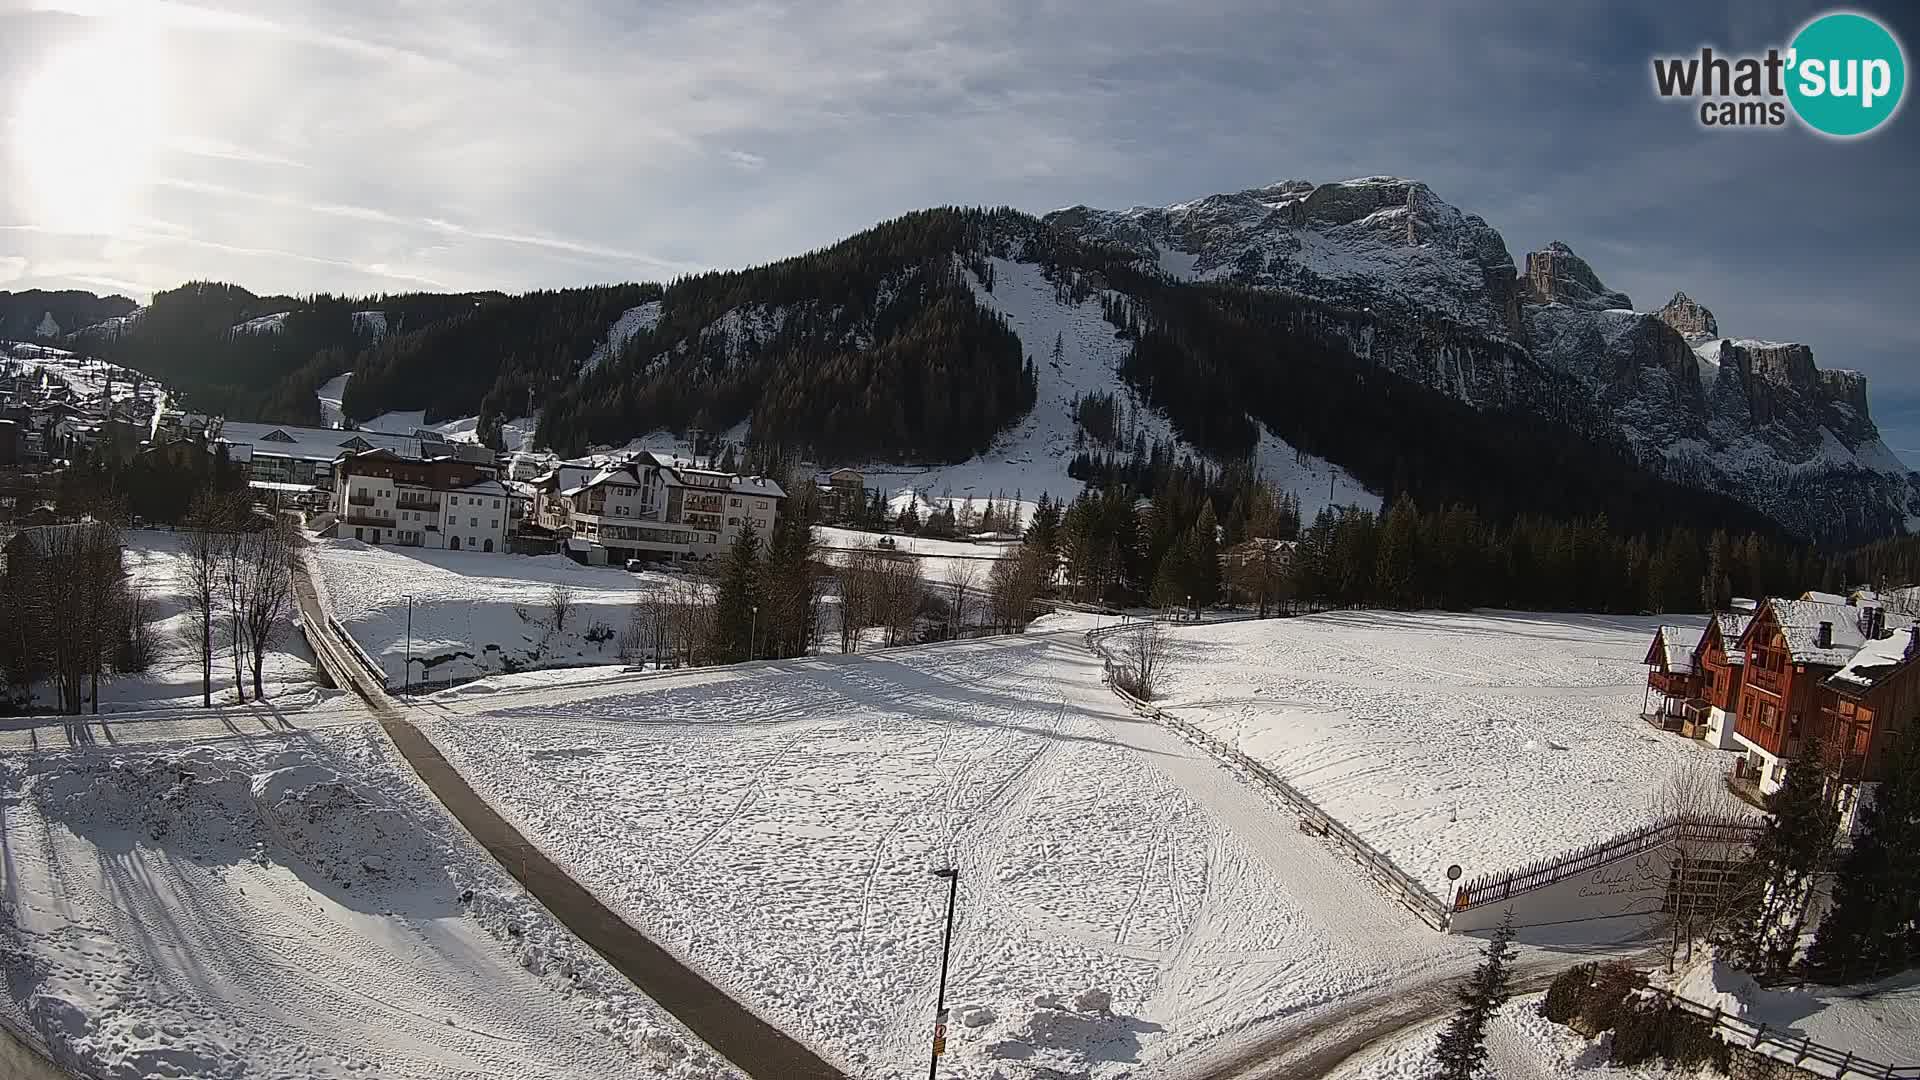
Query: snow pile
(1055,1036)
(1718,985)
(1488,739)
(294,907)
(1876,1021)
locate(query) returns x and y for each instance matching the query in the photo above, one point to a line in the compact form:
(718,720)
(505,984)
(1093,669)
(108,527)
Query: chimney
(1823,639)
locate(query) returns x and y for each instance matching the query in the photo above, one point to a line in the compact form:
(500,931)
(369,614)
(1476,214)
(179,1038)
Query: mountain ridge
(892,329)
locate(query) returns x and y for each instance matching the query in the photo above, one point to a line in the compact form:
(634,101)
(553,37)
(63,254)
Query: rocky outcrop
(1694,322)
(1555,275)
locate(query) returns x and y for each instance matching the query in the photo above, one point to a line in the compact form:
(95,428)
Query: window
(451,520)
(733,521)
(760,504)
(496,504)
(733,502)
(494,524)
(473,541)
(473,523)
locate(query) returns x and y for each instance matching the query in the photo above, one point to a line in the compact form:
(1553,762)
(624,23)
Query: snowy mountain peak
(1555,275)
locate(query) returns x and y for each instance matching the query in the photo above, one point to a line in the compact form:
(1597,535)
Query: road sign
(1453,872)
(939,1039)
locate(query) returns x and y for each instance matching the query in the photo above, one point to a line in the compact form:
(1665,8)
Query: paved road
(755,1046)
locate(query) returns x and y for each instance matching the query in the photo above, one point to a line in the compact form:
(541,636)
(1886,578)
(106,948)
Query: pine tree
(735,617)
(1462,1048)
(1203,573)
(1393,577)
(1779,874)
(1874,925)
(1716,589)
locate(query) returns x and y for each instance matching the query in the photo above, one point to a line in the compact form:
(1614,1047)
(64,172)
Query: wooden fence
(1497,888)
(1390,878)
(1799,1051)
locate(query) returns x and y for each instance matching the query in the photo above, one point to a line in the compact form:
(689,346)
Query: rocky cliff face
(1434,296)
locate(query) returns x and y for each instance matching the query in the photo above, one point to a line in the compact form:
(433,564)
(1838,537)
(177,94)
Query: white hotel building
(654,509)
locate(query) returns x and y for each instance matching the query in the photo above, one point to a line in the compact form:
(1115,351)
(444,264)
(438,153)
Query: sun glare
(84,131)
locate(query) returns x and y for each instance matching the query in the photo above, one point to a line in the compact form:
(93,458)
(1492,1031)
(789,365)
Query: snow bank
(1487,739)
(294,907)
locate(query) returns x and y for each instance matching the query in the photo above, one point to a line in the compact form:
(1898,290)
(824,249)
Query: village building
(382,497)
(1673,682)
(1791,646)
(653,508)
(1720,663)
(292,460)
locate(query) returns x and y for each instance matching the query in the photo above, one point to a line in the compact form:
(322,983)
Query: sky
(367,146)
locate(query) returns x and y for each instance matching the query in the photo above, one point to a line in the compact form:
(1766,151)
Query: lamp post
(952,874)
(406,676)
(753,634)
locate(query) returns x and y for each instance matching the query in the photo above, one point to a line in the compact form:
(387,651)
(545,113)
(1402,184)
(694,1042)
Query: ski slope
(1124,904)
(293,905)
(1487,739)
(1033,457)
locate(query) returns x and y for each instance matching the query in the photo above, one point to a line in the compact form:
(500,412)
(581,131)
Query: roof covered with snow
(314,444)
(1873,663)
(1733,626)
(1673,647)
(1800,624)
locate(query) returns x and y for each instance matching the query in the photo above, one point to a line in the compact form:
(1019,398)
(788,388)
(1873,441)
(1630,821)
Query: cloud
(12,267)
(744,160)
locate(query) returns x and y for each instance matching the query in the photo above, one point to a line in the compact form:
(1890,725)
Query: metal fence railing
(1381,870)
(1799,1051)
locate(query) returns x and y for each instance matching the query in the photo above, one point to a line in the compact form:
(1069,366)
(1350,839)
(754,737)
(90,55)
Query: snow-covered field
(516,434)
(1124,903)
(939,559)
(1033,457)
(293,906)
(474,612)
(1487,739)
(154,562)
(88,378)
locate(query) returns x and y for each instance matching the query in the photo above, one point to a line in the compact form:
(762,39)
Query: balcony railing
(381,520)
(1766,679)
(417,503)
(360,500)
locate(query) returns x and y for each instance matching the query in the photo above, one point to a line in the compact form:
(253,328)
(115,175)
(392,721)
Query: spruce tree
(1874,925)
(734,614)
(1393,576)
(1203,569)
(1462,1048)
(1778,876)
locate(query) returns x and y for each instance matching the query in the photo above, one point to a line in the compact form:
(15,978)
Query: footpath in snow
(1487,739)
(1125,904)
(293,906)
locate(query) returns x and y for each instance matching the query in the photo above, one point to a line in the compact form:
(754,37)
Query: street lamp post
(406,676)
(753,634)
(952,874)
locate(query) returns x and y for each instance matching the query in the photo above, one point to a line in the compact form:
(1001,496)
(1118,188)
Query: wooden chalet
(1671,674)
(1791,646)
(1720,663)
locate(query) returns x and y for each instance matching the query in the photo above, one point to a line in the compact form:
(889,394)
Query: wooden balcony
(1770,681)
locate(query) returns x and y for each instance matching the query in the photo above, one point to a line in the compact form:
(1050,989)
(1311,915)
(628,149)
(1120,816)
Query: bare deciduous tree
(199,575)
(268,592)
(560,606)
(1012,585)
(1141,660)
(963,579)
(1707,889)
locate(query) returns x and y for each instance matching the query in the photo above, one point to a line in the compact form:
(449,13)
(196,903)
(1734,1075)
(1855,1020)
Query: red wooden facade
(1721,664)
(1856,723)
(1776,693)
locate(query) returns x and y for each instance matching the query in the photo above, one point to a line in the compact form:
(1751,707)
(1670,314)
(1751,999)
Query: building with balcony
(382,497)
(654,509)
(1721,664)
(1791,647)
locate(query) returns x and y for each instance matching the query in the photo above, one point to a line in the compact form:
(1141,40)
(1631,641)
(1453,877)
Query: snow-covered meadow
(1124,903)
(1487,739)
(154,563)
(293,906)
(477,613)
(939,560)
